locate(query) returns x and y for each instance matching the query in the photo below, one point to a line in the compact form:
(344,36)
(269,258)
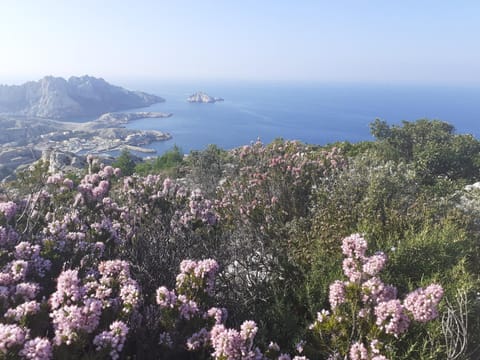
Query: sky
(408,41)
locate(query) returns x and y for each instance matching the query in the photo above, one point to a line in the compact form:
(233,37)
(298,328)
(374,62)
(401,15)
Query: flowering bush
(88,264)
(366,317)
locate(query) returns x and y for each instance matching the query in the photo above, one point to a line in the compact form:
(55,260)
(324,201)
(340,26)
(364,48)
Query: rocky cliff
(57,98)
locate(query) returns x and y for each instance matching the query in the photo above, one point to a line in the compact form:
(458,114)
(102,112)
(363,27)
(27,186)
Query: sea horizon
(314,113)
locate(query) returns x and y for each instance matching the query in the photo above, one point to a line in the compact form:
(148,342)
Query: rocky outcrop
(57,98)
(201,97)
(63,161)
(24,140)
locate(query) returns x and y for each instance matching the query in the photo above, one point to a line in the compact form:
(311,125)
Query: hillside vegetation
(277,251)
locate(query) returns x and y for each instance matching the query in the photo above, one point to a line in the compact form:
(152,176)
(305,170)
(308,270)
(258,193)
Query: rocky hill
(57,98)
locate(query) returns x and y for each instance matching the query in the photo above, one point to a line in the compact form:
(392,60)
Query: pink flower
(422,303)
(112,340)
(391,317)
(21,311)
(354,246)
(68,291)
(358,351)
(37,349)
(220,315)
(336,294)
(8,209)
(350,269)
(198,339)
(11,336)
(166,298)
(374,264)
(188,308)
(372,289)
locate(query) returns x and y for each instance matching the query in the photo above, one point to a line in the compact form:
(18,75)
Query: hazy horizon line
(11,80)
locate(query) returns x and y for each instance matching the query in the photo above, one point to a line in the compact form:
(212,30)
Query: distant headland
(58,98)
(201,97)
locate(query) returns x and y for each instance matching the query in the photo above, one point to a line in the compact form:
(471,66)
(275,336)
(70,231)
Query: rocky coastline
(24,140)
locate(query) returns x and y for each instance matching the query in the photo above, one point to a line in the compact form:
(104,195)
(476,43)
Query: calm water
(313,114)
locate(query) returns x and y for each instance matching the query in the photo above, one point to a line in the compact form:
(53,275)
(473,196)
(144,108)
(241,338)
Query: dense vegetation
(345,251)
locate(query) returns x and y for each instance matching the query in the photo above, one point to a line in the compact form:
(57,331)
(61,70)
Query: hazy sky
(416,41)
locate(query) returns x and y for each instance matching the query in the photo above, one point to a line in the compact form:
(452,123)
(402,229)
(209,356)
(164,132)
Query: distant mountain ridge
(57,98)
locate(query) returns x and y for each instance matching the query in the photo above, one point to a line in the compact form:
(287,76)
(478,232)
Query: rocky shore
(23,140)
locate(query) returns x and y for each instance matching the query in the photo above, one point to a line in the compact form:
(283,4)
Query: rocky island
(57,98)
(201,97)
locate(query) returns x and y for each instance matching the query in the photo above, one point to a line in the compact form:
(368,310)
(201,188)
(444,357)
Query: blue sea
(312,113)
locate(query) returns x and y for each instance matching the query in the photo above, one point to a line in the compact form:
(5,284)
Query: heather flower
(26,251)
(5,278)
(350,269)
(198,339)
(91,312)
(67,321)
(188,308)
(391,317)
(336,294)
(8,209)
(219,315)
(21,311)
(284,357)
(129,293)
(372,289)
(18,270)
(11,336)
(37,349)
(374,264)
(358,351)
(166,298)
(26,291)
(68,291)
(114,268)
(248,330)
(422,303)
(113,340)
(226,343)
(354,246)
(197,274)
(434,292)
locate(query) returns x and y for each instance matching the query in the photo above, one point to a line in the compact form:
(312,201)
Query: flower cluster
(112,340)
(232,344)
(423,303)
(8,209)
(197,275)
(375,304)
(77,306)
